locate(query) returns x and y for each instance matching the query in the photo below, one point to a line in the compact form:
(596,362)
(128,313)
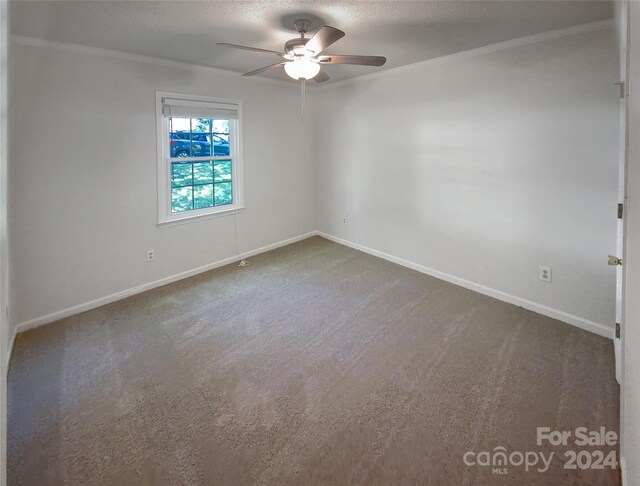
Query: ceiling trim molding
(127,56)
(479,51)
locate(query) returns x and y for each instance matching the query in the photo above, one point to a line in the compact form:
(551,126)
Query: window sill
(200,217)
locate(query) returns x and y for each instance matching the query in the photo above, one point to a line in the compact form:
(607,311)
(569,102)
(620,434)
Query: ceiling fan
(302,56)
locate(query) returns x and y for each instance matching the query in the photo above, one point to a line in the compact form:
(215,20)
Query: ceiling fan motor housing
(295,46)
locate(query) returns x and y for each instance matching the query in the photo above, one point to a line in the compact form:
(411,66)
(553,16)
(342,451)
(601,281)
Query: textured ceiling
(403,31)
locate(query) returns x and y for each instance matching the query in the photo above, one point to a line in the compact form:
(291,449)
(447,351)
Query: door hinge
(618,330)
(620,84)
(620,210)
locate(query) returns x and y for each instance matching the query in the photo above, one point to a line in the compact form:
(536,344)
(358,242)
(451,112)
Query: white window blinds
(199,109)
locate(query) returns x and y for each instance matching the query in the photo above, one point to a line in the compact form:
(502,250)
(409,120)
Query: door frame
(623,193)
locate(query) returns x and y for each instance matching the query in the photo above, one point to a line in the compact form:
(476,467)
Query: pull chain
(303,82)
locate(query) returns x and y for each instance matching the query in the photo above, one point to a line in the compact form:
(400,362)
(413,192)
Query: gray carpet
(316,364)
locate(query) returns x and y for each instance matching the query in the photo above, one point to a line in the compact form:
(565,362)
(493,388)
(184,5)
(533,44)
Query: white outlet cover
(544,273)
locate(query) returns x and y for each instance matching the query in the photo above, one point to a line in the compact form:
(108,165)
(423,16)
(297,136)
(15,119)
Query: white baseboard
(12,341)
(580,322)
(77,309)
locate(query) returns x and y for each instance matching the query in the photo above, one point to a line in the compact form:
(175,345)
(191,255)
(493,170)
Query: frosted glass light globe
(302,69)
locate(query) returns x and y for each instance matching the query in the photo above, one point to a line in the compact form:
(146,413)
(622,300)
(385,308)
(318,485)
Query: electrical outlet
(344,220)
(544,273)
(151,255)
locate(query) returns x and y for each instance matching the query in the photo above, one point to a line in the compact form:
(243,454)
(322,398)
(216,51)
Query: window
(198,157)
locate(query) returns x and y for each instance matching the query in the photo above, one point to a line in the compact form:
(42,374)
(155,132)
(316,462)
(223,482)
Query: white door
(622,188)
(622,200)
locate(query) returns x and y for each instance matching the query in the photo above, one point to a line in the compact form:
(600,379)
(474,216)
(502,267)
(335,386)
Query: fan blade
(360,60)
(321,77)
(258,71)
(323,39)
(246,48)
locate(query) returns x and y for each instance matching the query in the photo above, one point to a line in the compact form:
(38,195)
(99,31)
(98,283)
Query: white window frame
(165,216)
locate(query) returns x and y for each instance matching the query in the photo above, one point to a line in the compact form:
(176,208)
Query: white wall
(484,167)
(83,199)
(481,166)
(631,330)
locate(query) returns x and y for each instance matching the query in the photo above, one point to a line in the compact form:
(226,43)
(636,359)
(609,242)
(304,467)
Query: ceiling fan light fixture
(302,68)
(302,59)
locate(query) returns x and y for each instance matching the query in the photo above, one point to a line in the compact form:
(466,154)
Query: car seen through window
(193,144)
